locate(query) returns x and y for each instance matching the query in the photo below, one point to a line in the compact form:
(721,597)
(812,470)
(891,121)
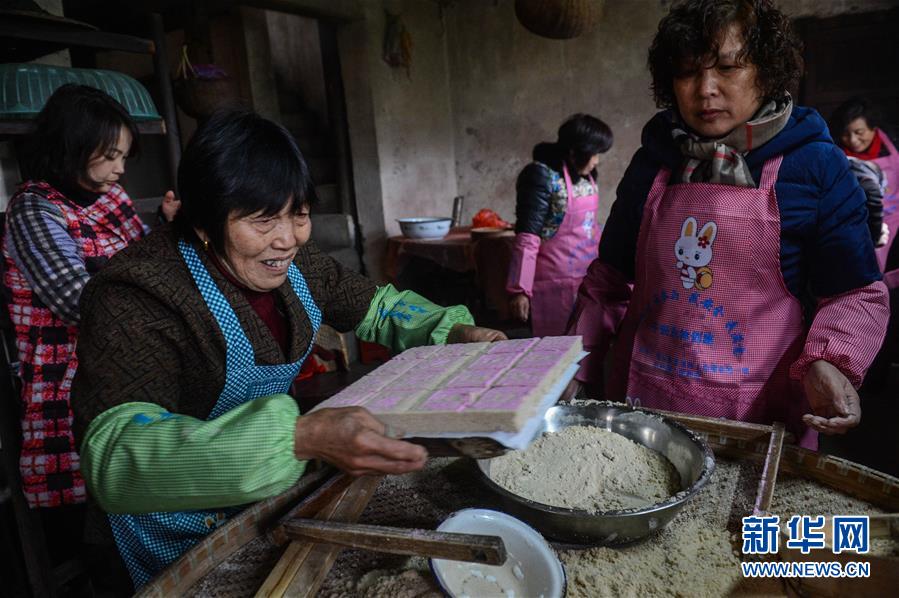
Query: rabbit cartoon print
(694,253)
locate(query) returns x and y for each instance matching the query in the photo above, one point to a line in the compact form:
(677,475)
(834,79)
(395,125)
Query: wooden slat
(768,479)
(472,548)
(845,476)
(226,540)
(726,427)
(305,565)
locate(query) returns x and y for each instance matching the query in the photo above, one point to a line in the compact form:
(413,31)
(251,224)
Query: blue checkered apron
(149,543)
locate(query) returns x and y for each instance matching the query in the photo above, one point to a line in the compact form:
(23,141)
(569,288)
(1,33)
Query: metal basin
(689,454)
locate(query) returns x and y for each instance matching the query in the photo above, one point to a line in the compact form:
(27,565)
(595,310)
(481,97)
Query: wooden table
(486,258)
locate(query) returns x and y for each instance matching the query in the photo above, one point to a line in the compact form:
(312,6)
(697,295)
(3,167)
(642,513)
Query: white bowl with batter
(531,570)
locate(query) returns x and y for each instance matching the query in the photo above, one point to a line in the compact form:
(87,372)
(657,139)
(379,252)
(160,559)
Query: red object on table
(487,218)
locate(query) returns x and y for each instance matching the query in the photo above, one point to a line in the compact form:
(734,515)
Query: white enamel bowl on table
(531,566)
(425,228)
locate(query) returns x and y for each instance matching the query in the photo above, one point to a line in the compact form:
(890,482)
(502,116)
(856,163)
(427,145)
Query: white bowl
(531,570)
(425,228)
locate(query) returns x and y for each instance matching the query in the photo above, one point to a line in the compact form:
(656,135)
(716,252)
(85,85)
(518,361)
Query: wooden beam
(343,10)
(89,39)
(164,84)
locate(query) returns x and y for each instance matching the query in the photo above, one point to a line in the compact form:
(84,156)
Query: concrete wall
(511,89)
(413,120)
(481,92)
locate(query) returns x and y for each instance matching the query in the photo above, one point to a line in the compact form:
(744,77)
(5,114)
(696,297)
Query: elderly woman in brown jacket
(191,338)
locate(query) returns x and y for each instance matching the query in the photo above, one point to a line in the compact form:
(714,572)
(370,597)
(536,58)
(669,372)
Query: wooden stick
(304,566)
(311,505)
(472,548)
(769,471)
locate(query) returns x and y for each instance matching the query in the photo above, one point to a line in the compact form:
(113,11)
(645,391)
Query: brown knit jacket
(147,336)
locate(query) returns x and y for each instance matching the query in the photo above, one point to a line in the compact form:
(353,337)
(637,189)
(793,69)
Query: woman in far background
(62,225)
(854,126)
(874,160)
(557,231)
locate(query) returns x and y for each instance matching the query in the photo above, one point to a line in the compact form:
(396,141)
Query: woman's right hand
(520,306)
(351,439)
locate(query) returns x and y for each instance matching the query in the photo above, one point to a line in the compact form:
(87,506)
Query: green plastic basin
(24,89)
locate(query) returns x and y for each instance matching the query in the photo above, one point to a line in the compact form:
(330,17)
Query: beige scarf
(721,160)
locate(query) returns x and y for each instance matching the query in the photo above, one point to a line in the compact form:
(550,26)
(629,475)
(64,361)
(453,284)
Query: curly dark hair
(690,35)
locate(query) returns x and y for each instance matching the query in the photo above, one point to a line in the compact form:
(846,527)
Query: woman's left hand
(170,206)
(463,333)
(835,404)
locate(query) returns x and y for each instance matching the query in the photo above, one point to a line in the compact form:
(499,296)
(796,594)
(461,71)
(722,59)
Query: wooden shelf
(29,30)
(23,127)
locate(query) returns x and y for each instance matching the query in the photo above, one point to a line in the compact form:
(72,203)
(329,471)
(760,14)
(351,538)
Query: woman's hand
(463,333)
(170,206)
(834,402)
(520,306)
(352,439)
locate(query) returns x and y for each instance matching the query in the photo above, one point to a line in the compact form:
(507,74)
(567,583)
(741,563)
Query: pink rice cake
(370,383)
(419,352)
(449,400)
(518,345)
(495,361)
(444,363)
(392,400)
(345,398)
(531,377)
(465,348)
(473,379)
(392,368)
(541,359)
(504,409)
(425,381)
(557,343)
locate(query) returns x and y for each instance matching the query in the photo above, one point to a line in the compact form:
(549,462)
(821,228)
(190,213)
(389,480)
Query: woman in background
(557,228)
(62,225)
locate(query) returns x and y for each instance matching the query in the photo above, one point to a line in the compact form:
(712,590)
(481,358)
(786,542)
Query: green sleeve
(140,458)
(403,319)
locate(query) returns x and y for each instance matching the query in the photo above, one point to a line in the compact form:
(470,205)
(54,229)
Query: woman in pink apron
(854,127)
(755,293)
(557,228)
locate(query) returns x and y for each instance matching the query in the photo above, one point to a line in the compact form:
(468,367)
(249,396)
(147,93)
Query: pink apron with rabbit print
(562,262)
(712,324)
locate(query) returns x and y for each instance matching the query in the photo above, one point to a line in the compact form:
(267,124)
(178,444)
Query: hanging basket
(203,89)
(558,19)
(199,98)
